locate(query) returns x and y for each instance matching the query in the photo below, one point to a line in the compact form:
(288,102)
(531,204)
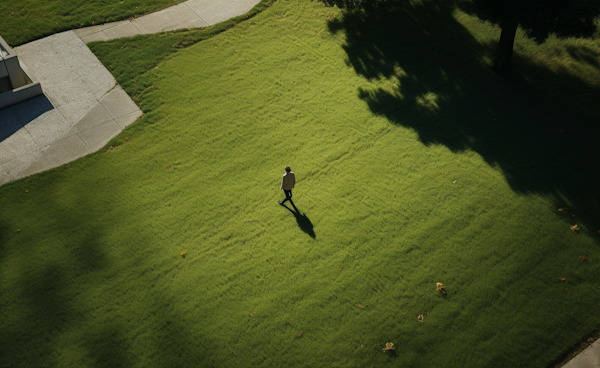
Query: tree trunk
(505,48)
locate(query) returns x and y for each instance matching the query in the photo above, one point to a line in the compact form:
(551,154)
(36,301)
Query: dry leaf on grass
(562,279)
(567,212)
(574,228)
(583,258)
(420,318)
(388,346)
(440,287)
(183,254)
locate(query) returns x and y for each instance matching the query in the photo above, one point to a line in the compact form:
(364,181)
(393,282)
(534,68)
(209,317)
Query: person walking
(288,181)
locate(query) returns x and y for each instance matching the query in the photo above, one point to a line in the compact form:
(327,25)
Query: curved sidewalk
(83,107)
(589,358)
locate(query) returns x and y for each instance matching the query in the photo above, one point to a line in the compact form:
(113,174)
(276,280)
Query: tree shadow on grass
(61,294)
(585,54)
(539,126)
(303,221)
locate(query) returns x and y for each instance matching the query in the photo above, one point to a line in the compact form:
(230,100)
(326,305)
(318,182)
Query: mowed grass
(28,20)
(91,271)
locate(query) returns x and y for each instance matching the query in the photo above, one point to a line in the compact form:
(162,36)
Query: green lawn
(415,165)
(27,20)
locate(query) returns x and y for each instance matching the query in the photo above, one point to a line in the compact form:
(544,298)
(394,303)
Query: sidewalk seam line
(62,139)
(199,16)
(94,127)
(129,113)
(86,146)
(102,30)
(100,103)
(108,112)
(136,27)
(31,163)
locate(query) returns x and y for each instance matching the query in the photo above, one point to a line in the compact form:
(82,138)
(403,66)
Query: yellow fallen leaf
(388,346)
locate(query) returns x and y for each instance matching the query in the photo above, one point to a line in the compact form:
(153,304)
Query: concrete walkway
(190,14)
(83,107)
(589,358)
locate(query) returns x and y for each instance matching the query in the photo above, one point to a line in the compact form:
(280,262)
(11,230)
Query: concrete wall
(13,69)
(20,94)
(23,87)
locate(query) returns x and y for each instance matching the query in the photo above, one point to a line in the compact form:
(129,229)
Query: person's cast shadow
(303,221)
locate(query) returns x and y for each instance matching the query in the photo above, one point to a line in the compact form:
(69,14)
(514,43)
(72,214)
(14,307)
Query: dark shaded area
(585,55)
(17,116)
(563,18)
(44,289)
(50,309)
(539,19)
(540,127)
(576,349)
(303,221)
(353,4)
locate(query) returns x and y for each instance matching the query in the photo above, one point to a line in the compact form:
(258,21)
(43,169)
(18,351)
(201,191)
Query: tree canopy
(541,18)
(537,18)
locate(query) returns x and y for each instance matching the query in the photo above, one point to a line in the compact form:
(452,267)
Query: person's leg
(288,196)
